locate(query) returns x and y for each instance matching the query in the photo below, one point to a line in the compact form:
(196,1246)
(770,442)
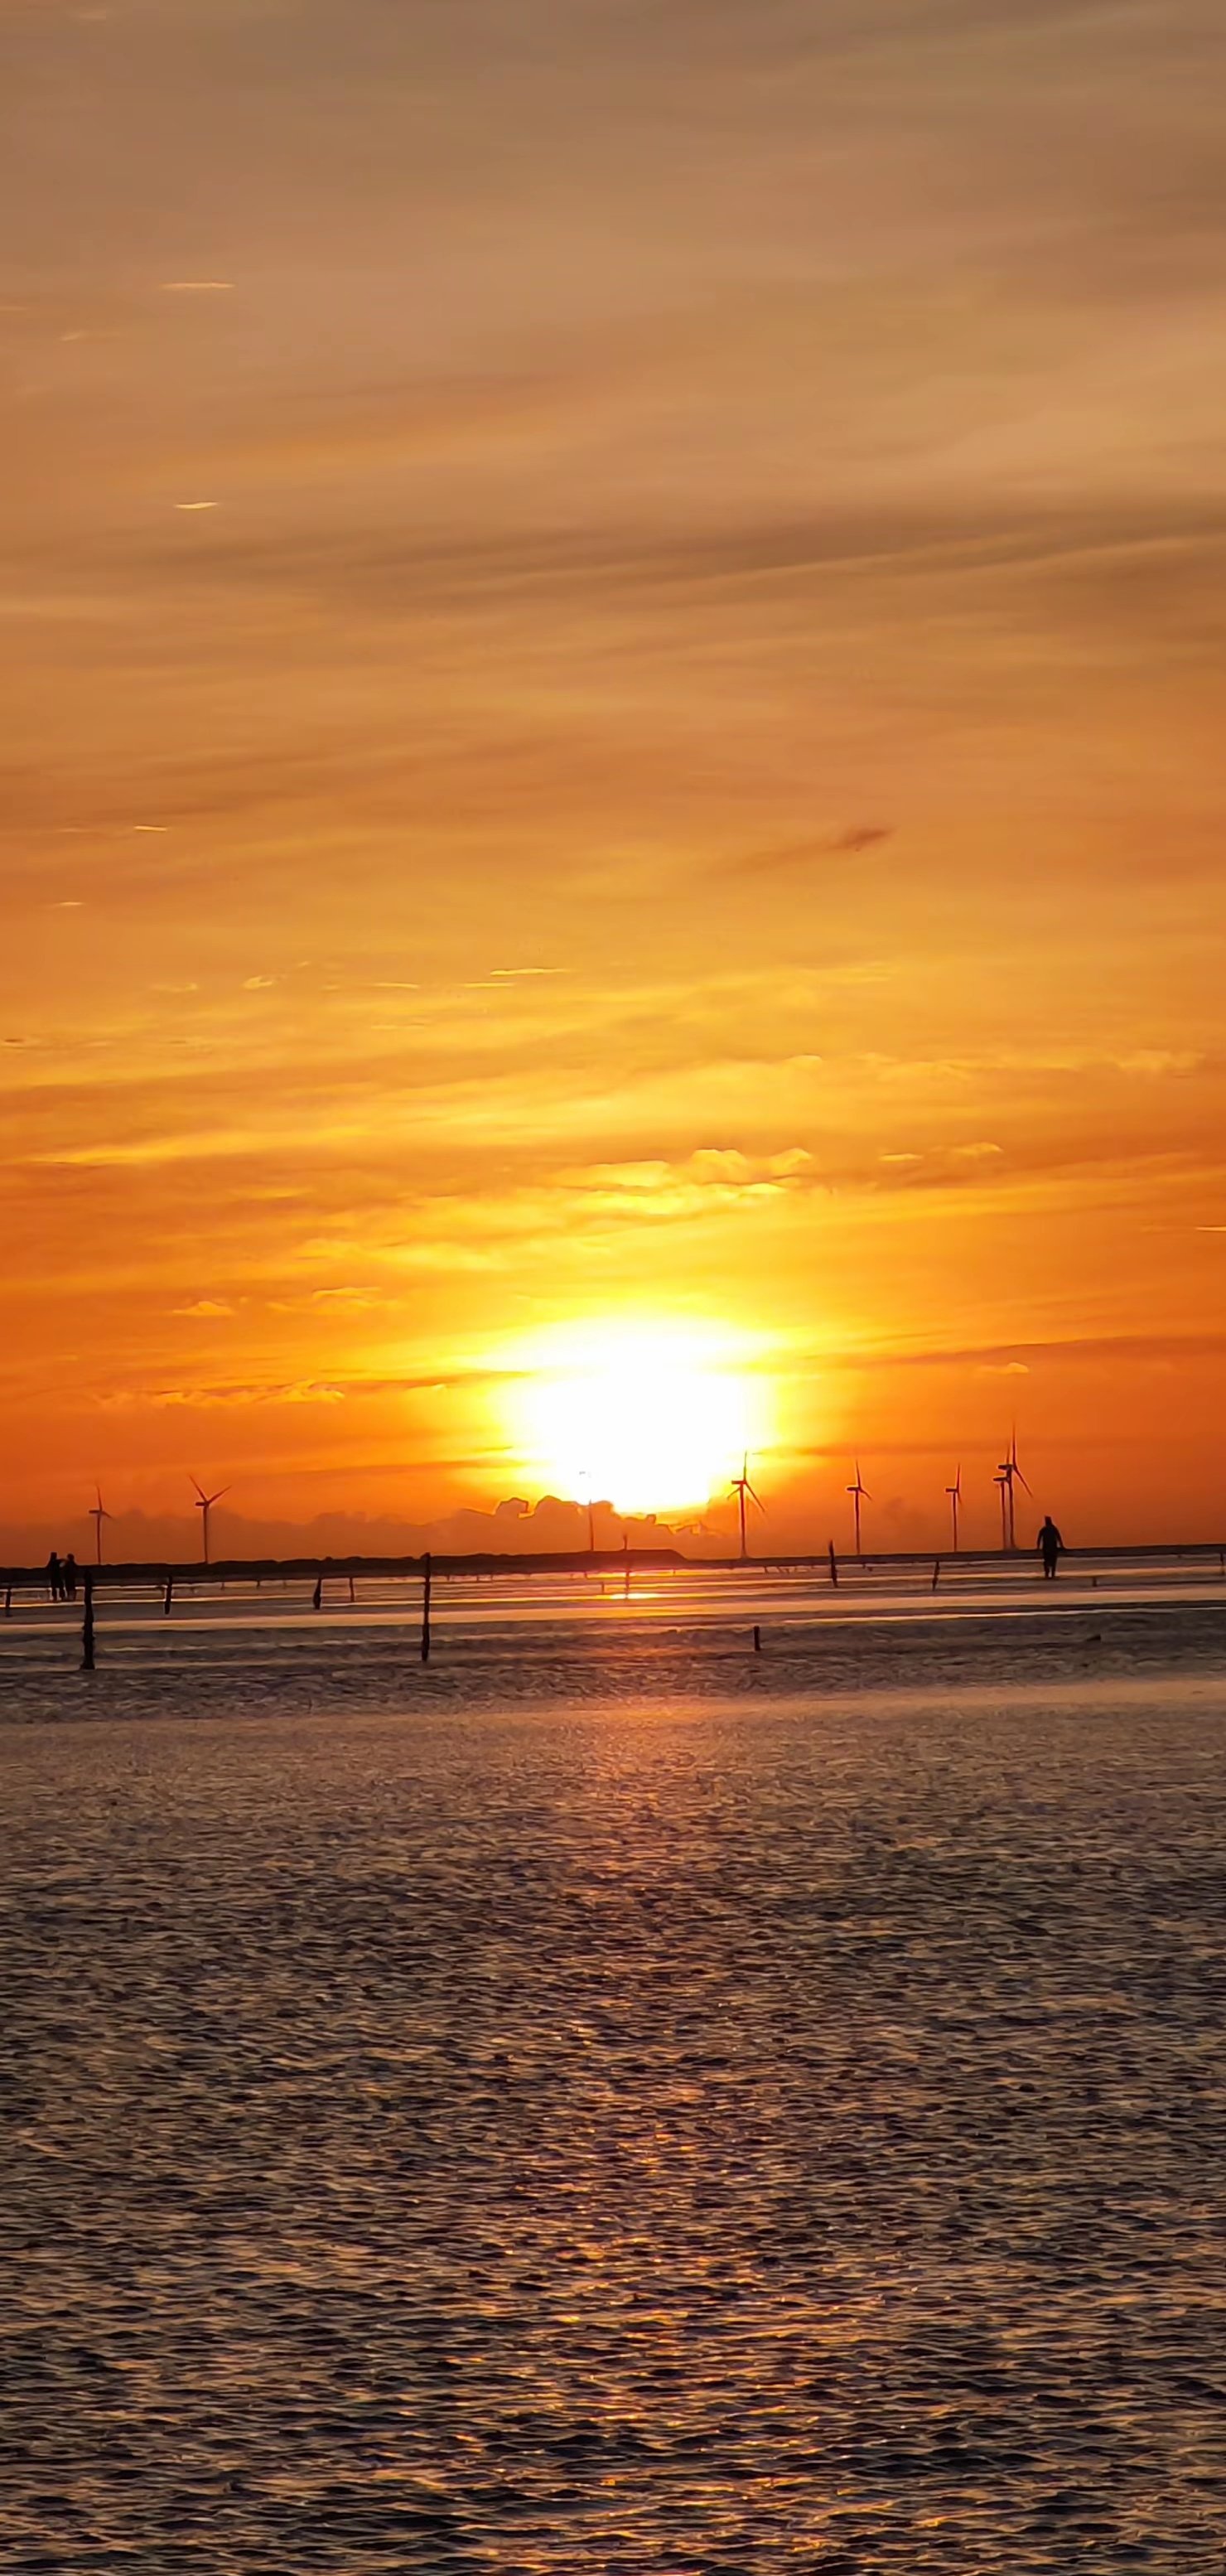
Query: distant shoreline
(603,1561)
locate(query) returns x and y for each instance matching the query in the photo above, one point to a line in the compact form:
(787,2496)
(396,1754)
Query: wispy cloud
(722,682)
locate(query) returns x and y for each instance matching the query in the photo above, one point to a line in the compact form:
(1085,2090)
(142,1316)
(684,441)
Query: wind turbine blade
(1020,1478)
(219,1496)
(755,1498)
(192,1480)
(867,1497)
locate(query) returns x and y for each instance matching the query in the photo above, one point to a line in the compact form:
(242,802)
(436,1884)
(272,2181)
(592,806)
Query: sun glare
(650,1419)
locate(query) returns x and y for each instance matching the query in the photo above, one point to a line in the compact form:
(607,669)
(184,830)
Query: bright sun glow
(650,1419)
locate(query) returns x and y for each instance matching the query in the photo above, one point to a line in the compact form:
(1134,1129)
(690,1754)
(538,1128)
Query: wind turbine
(954,1492)
(98,1513)
(741,1487)
(204,1507)
(1011,1473)
(859,1493)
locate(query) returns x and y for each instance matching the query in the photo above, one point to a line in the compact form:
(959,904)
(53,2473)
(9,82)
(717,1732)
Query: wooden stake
(168,1596)
(425,1615)
(87,1627)
(834,1566)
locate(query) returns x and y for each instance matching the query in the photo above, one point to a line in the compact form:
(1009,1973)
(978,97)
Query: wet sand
(612,2101)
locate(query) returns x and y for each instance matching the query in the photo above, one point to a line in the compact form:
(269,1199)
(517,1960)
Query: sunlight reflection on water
(691,2135)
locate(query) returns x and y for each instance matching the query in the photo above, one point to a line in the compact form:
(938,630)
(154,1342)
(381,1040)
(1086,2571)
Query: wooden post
(757,1641)
(834,1567)
(8,1600)
(318,1594)
(168,1596)
(87,1627)
(352,1594)
(425,1615)
(936,1574)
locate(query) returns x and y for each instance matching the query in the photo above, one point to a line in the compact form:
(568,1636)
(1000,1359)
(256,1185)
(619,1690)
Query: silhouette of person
(70,1577)
(1051,1548)
(55,1577)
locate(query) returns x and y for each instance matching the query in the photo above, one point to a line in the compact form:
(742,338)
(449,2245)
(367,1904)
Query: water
(612,2101)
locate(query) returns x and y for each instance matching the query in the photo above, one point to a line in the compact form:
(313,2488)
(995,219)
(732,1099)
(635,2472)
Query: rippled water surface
(666,2133)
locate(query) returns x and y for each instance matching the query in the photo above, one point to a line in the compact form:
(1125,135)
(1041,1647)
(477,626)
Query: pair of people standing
(62,1577)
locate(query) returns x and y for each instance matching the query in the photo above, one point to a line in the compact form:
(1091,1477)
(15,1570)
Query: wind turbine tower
(204,1507)
(859,1494)
(1001,1483)
(954,1492)
(741,1487)
(1011,1474)
(98,1513)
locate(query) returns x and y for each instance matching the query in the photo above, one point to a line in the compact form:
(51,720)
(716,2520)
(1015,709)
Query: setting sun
(650,1419)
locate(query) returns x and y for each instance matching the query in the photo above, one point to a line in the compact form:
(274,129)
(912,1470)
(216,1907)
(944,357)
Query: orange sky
(677,780)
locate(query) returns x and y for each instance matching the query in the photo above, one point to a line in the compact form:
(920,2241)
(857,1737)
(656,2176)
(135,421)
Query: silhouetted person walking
(70,1577)
(1051,1548)
(55,1577)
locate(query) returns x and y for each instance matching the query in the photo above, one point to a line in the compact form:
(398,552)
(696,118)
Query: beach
(611,2099)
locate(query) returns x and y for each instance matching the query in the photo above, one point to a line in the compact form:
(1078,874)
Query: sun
(649,1418)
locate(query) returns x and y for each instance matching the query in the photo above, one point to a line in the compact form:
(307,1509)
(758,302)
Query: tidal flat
(770,2118)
